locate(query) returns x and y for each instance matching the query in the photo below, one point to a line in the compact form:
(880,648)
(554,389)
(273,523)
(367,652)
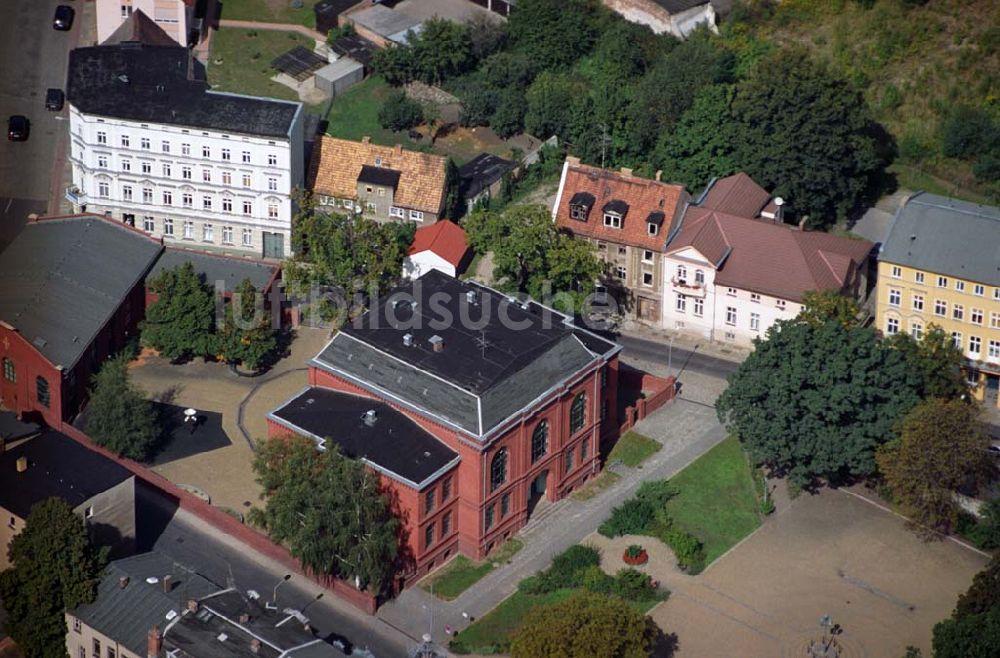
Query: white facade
(694,304)
(175,17)
(422,262)
(200,188)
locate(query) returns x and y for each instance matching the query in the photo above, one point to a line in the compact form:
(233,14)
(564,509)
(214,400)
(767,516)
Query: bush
(567,567)
(967,132)
(631,518)
(594,579)
(633,585)
(400,112)
(532,584)
(687,549)
(656,492)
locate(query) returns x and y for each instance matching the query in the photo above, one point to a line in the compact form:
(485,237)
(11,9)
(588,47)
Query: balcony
(688,287)
(75,196)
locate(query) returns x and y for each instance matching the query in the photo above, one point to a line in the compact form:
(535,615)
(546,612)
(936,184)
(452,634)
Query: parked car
(18,127)
(63,20)
(54,99)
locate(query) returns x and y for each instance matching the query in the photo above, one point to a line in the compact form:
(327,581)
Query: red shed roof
(639,201)
(773,259)
(444,238)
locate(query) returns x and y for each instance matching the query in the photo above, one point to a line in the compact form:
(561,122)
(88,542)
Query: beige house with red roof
(383,183)
(441,246)
(177,18)
(731,269)
(628,219)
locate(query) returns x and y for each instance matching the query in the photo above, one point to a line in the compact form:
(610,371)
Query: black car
(17,128)
(54,99)
(63,20)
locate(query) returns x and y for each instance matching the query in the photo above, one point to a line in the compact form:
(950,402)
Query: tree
(553,33)
(478,103)
(179,324)
(329,509)
(815,401)
(549,102)
(454,203)
(586,625)
(486,35)
(820,306)
(54,567)
(442,50)
(394,64)
(941,447)
(118,416)
(400,112)
(701,144)
(937,360)
(247,336)
(973,630)
(508,116)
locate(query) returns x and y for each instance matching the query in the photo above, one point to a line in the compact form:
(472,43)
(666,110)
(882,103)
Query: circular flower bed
(635,555)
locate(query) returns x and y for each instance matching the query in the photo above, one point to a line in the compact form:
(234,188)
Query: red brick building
(472,406)
(71,293)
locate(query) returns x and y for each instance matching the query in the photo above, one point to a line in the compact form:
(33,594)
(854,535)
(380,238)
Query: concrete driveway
(828,554)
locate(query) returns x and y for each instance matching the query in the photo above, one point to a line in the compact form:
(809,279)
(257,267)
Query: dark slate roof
(127,614)
(212,268)
(946,236)
(11,428)
(482,171)
(616,206)
(484,375)
(164,84)
(62,279)
(57,466)
(582,199)
(356,47)
(677,6)
(379,176)
(393,444)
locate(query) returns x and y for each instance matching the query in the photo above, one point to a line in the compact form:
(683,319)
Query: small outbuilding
(337,77)
(442,246)
(482,176)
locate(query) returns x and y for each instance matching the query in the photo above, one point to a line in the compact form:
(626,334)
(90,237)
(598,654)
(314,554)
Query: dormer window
(580,205)
(612,220)
(653,222)
(378,161)
(653,229)
(614,213)
(579,213)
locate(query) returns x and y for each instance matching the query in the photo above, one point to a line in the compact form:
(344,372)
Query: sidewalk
(685,429)
(719,350)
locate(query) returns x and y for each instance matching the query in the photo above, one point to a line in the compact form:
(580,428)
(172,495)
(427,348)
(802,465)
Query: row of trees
(619,94)
(823,398)
(973,630)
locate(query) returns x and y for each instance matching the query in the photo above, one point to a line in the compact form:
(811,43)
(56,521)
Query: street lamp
(670,357)
(284,579)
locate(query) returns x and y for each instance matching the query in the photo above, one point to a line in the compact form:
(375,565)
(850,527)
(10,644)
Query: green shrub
(687,549)
(634,551)
(567,567)
(532,584)
(656,492)
(594,579)
(631,518)
(967,132)
(400,112)
(987,167)
(633,585)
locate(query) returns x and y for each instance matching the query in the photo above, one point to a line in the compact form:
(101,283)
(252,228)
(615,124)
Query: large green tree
(181,322)
(118,415)
(329,509)
(553,33)
(820,306)
(799,130)
(941,447)
(937,360)
(246,335)
(442,49)
(973,630)
(586,625)
(816,400)
(53,567)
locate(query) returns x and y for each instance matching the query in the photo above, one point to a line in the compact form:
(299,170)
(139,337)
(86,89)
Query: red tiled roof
(737,195)
(444,238)
(773,259)
(600,187)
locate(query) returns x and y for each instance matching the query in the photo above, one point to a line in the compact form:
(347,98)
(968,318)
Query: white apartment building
(177,18)
(154,147)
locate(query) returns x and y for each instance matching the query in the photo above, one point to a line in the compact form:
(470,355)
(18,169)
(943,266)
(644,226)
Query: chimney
(168,584)
(437,343)
(369,417)
(244,618)
(366,139)
(154,642)
(398,149)
(255,645)
(21,464)
(659,175)
(408,340)
(779,214)
(192,605)
(123,582)
(626,171)
(572,160)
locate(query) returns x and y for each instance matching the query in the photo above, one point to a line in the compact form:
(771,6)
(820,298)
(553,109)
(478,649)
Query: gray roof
(486,373)
(946,236)
(386,22)
(62,279)
(678,6)
(213,268)
(127,614)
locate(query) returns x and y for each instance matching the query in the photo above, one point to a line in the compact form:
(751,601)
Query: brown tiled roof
(140,27)
(737,195)
(336,164)
(444,238)
(773,259)
(604,188)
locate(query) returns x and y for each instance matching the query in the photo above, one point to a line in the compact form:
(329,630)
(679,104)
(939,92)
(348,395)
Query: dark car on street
(17,128)
(63,20)
(54,99)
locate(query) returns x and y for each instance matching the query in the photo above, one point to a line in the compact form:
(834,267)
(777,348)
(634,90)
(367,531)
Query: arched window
(682,273)
(540,441)
(498,469)
(8,371)
(699,277)
(577,413)
(42,391)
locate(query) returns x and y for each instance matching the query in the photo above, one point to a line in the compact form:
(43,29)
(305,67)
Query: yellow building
(940,265)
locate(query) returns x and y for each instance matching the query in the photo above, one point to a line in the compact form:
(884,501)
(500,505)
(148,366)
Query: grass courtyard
(244,61)
(462,573)
(354,114)
(269,11)
(633,448)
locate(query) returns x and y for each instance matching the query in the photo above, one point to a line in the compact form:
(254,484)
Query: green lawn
(354,114)
(633,448)
(269,11)
(491,634)
(716,500)
(246,61)
(462,573)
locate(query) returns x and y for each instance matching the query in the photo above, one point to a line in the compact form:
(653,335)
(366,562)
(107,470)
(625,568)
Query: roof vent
(244,618)
(171,614)
(152,580)
(255,645)
(369,417)
(913,237)
(123,582)
(222,637)
(123,78)
(472,296)
(408,340)
(437,343)
(253,594)
(21,464)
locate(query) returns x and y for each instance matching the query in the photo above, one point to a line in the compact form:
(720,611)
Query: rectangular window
(208,233)
(272,211)
(731,292)
(612,220)
(584,450)
(272,160)
(653,229)
(897,272)
(416,216)
(780,304)
(975,344)
(102,161)
(396,212)
(976,316)
(185,149)
(755,298)
(126,192)
(168,226)
(956,339)
(126,164)
(604,409)
(247,208)
(102,137)
(227,178)
(148,224)
(994,320)
(111,652)
(166,170)
(146,167)
(227,204)
(960,286)
(370,206)
(272,183)
(246,180)
(569,460)
(189,230)
(699,307)
(186,173)
(226,155)
(918,277)
(77,626)
(918,302)
(993,350)
(755,322)
(206,175)
(97,648)
(894,297)
(445,525)
(246,157)
(8,371)
(940,307)
(206,152)
(42,391)
(445,489)
(622,251)
(125,141)
(916,329)
(187,199)
(681,304)
(429,501)
(144,143)
(103,189)
(206,202)
(168,198)
(247,237)
(647,256)
(147,195)
(82,652)
(578,212)
(429,535)
(165,146)
(942,282)
(731,315)
(891,326)
(621,272)
(488,520)
(978,290)
(604,376)
(504,505)
(227,234)
(957,312)
(647,279)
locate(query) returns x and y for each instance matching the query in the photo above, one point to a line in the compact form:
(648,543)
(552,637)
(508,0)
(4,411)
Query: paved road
(681,359)
(219,558)
(34,58)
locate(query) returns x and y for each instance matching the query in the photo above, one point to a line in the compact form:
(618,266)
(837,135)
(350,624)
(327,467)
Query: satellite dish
(778,201)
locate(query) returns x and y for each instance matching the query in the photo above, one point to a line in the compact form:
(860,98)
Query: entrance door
(536,492)
(274,245)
